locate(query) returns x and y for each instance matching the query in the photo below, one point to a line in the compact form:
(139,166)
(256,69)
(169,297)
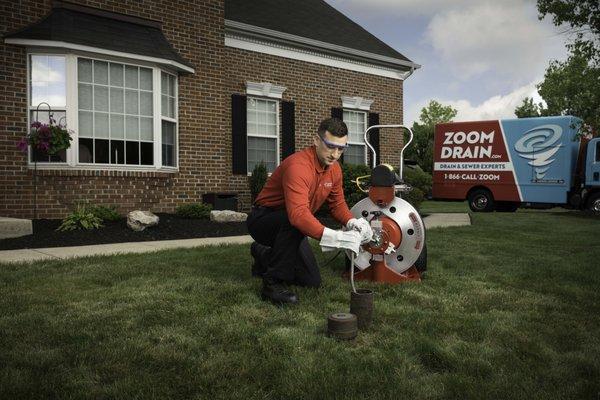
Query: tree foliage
(421,149)
(529,109)
(583,20)
(572,87)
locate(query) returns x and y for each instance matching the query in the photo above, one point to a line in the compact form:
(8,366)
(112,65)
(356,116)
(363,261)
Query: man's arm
(336,201)
(296,187)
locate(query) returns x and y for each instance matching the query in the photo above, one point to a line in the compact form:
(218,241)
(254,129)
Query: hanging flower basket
(47,138)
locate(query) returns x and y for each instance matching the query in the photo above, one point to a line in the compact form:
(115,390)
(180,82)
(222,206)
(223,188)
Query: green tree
(573,86)
(529,109)
(582,17)
(421,149)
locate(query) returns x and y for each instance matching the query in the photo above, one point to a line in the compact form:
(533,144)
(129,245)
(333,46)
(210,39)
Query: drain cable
(352,256)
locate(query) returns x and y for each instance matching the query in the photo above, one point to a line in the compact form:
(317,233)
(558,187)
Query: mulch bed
(170,227)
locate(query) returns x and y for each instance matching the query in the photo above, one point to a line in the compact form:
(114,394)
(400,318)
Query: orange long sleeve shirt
(301,185)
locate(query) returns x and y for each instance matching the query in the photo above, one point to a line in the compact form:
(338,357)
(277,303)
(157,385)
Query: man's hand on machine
(349,240)
(361,225)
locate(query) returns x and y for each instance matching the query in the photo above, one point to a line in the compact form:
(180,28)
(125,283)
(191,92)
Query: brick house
(172,100)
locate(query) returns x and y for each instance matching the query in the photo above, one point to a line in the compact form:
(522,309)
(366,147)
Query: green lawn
(431,206)
(510,309)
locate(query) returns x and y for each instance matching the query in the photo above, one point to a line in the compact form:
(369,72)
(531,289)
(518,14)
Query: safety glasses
(333,146)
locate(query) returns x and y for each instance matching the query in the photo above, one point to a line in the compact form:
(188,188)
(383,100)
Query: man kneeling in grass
(283,215)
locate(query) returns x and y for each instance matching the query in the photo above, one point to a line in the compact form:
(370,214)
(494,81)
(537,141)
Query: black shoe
(258,269)
(278,293)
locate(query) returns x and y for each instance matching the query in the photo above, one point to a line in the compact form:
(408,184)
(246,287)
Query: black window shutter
(238,134)
(288,129)
(374,135)
(338,113)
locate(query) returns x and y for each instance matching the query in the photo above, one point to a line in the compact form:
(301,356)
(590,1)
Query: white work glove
(361,225)
(349,240)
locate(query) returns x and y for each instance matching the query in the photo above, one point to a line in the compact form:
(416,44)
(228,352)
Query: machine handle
(359,183)
(374,157)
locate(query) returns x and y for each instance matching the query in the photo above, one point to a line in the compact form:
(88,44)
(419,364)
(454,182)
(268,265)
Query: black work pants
(289,258)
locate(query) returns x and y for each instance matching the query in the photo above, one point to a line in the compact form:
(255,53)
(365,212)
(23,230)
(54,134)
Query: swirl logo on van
(539,145)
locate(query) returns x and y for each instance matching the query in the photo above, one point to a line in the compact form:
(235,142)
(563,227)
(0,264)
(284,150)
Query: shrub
(351,192)
(421,185)
(106,213)
(82,218)
(258,179)
(194,210)
(418,179)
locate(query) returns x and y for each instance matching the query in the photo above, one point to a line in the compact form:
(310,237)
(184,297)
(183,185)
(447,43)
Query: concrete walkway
(115,248)
(28,255)
(445,220)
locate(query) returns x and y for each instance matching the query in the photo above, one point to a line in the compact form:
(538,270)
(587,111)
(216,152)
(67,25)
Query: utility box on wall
(221,201)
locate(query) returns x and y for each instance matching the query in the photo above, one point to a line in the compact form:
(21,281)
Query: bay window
(112,110)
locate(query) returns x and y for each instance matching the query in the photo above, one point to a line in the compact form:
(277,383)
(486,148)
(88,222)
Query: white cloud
(407,8)
(47,70)
(490,37)
(496,107)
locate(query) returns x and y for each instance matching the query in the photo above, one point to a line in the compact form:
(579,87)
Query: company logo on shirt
(328,184)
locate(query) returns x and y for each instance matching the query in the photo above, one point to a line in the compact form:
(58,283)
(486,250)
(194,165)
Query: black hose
(331,259)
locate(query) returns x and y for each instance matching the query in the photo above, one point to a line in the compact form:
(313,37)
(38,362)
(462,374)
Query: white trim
(313,57)
(235,26)
(365,126)
(101,167)
(264,89)
(97,50)
(276,136)
(72,111)
(357,103)
(157,111)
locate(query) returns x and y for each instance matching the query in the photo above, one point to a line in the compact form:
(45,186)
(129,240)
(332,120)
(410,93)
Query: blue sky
(481,57)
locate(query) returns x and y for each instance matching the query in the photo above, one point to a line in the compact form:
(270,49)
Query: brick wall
(196,30)
(315,89)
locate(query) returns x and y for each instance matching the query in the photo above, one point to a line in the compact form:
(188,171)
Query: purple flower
(22,145)
(44,130)
(36,124)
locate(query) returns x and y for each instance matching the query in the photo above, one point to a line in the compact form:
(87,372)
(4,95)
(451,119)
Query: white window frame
(366,114)
(277,135)
(31,108)
(157,103)
(72,110)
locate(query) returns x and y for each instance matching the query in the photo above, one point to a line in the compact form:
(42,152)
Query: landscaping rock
(227,216)
(139,220)
(14,227)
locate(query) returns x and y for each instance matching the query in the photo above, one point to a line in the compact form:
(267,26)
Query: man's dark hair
(335,126)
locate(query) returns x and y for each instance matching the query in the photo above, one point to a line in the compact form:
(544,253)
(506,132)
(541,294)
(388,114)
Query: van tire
(481,200)
(593,203)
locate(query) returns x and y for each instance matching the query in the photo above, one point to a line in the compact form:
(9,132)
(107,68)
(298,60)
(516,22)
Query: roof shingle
(72,24)
(313,19)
